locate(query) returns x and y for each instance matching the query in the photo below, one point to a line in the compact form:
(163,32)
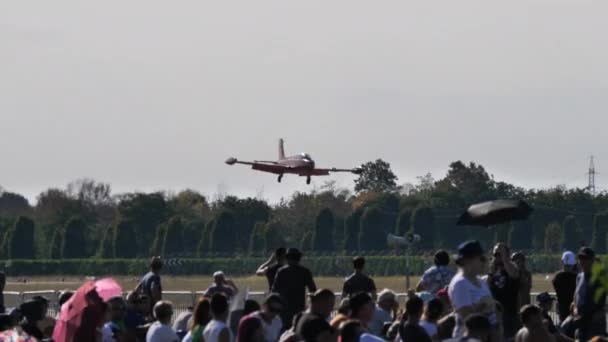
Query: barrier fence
(182,300)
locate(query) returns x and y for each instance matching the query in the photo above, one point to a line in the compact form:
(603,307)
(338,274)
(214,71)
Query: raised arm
(266,265)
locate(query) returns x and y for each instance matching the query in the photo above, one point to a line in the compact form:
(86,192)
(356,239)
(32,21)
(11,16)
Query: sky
(155,95)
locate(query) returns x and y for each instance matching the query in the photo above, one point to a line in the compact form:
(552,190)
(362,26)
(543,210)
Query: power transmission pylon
(591,174)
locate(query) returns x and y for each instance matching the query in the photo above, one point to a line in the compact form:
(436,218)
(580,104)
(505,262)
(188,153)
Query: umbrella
(495,212)
(80,316)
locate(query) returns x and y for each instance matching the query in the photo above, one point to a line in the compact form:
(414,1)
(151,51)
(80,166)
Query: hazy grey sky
(150,95)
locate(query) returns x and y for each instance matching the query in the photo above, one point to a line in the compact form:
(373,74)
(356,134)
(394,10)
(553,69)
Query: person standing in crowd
(468,293)
(342,315)
(477,329)
(221,285)
(161,330)
(362,308)
(291,283)
(250,330)
(564,283)
(350,331)
(115,330)
(150,284)
(180,324)
(545,303)
(269,316)
(217,330)
(590,311)
(438,276)
(432,313)
(358,281)
(385,306)
(200,318)
(504,283)
(270,268)
(312,325)
(33,313)
(409,328)
(525,278)
(534,329)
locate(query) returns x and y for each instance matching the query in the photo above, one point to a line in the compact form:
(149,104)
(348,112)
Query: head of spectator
(44,302)
(442,258)
(344,307)
(219,307)
(444,297)
(64,296)
(433,310)
(33,310)
(387,300)
(250,330)
(586,258)
(133,300)
(272,306)
(251,306)
(362,308)
(568,261)
(531,317)
(163,312)
(219,278)
(350,331)
(478,327)
(279,255)
(201,314)
(117,309)
(358,264)
(6,322)
(519,259)
(322,302)
(293,256)
(500,252)
(413,309)
(471,259)
(545,301)
(156,265)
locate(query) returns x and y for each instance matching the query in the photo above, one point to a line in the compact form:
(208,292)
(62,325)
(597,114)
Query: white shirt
(213,329)
(429,327)
(272,330)
(463,293)
(161,333)
(378,319)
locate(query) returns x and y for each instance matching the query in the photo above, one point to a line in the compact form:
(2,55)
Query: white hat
(568,258)
(218,274)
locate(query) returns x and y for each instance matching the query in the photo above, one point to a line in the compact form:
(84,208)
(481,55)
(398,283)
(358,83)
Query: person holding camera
(504,284)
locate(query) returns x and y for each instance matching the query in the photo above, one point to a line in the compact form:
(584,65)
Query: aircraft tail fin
(281,150)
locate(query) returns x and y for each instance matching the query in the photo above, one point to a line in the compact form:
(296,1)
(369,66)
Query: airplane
(301,165)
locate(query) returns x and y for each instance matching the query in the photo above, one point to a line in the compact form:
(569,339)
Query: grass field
(199,283)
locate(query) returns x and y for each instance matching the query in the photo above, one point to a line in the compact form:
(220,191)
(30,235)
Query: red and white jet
(301,165)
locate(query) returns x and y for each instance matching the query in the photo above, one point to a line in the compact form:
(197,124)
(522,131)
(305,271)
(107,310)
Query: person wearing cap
(589,310)
(150,285)
(291,283)
(269,316)
(270,268)
(468,293)
(221,285)
(564,283)
(358,281)
(438,276)
(383,313)
(504,283)
(312,325)
(525,278)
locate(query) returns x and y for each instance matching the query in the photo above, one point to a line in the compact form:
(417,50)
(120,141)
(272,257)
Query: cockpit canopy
(305,156)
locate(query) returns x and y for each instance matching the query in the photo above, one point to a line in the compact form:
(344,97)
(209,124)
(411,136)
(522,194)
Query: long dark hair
(202,313)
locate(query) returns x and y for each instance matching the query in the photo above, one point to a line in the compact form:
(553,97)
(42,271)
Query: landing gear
(308,180)
(280,177)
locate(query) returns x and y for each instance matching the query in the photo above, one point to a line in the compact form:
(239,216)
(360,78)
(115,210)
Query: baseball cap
(469,249)
(218,274)
(544,297)
(568,258)
(586,253)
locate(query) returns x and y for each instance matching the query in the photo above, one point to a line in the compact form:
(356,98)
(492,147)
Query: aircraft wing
(265,166)
(325,172)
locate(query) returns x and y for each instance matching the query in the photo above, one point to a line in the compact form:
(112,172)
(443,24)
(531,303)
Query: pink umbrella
(107,288)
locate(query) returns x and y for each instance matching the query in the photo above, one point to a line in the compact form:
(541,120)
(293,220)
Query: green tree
(21,244)
(124,236)
(273,235)
(600,230)
(571,234)
(74,239)
(174,239)
(144,212)
(106,245)
(423,224)
(55,250)
(376,176)
(324,230)
(257,243)
(157,244)
(553,238)
(519,236)
(351,231)
(13,205)
(223,236)
(204,244)
(404,222)
(372,233)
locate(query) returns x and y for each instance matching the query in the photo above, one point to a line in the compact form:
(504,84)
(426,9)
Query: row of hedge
(322,266)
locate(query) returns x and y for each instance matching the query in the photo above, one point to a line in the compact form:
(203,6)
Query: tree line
(85,220)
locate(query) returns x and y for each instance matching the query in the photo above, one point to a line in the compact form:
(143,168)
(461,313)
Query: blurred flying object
(495,212)
(301,165)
